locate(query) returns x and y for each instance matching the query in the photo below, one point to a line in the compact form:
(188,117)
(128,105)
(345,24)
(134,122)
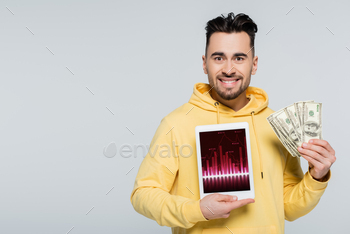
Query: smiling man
(166,187)
(229,67)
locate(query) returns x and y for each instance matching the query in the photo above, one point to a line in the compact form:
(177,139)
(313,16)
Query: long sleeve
(301,192)
(154,182)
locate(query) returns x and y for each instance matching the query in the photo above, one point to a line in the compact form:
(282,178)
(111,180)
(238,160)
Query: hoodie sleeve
(151,195)
(301,191)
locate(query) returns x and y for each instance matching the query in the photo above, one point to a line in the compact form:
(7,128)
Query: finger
(313,154)
(314,162)
(226,198)
(319,149)
(324,144)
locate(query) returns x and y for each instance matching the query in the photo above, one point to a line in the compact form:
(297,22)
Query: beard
(229,93)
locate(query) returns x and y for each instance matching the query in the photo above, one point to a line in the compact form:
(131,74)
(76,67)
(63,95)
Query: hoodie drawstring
(257,142)
(217,113)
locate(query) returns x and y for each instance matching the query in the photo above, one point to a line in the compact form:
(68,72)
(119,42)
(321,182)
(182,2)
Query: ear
(255,65)
(204,65)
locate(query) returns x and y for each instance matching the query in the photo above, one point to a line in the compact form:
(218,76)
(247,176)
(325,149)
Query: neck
(235,104)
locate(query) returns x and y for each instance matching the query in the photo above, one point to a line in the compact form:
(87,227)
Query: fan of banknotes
(296,124)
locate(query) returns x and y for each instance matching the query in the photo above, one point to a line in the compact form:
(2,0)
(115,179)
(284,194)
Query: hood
(202,99)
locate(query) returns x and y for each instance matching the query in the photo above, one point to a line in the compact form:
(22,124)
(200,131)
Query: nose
(229,68)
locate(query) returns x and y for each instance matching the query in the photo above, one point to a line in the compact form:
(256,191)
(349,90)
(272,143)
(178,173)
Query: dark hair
(230,24)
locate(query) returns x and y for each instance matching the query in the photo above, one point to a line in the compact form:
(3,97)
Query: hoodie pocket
(247,230)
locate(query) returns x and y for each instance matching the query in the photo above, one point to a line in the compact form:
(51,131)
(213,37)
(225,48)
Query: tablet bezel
(222,127)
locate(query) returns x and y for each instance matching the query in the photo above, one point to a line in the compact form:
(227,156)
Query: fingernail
(234,198)
(304,145)
(311,141)
(300,149)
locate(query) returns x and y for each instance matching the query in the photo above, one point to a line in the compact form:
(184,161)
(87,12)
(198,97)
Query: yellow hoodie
(167,189)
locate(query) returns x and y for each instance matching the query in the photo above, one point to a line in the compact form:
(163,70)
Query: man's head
(231,24)
(229,57)
(311,127)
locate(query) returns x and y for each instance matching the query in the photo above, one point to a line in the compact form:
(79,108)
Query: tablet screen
(224,161)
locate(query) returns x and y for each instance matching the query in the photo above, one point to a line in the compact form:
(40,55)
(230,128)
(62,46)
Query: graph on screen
(224,161)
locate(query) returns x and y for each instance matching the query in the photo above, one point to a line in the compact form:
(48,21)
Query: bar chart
(224,161)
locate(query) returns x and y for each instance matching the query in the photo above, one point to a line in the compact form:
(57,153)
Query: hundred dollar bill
(285,126)
(296,124)
(293,118)
(292,147)
(311,121)
(282,137)
(288,128)
(298,106)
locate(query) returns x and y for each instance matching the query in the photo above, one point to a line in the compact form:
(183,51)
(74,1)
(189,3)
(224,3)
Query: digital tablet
(224,160)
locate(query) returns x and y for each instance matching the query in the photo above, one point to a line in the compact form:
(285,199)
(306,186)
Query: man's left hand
(320,156)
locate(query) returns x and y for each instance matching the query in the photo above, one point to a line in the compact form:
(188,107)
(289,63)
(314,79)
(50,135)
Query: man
(167,188)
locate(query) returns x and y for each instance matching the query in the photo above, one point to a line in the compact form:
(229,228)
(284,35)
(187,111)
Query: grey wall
(78,75)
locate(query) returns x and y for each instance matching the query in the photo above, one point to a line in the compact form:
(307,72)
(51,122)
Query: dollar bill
(294,119)
(282,137)
(298,106)
(311,121)
(292,147)
(297,123)
(288,128)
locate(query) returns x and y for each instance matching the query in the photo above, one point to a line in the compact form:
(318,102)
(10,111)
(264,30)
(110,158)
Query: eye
(239,59)
(218,58)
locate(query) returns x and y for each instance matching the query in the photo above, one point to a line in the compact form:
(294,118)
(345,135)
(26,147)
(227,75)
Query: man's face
(294,136)
(310,128)
(229,63)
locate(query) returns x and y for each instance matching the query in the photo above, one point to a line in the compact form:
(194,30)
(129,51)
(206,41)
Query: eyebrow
(235,55)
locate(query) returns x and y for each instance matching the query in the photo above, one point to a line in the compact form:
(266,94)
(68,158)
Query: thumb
(241,203)
(226,198)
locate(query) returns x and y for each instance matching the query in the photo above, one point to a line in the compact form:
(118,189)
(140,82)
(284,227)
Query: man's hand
(320,156)
(216,206)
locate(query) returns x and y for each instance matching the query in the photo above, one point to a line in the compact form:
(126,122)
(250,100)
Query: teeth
(228,82)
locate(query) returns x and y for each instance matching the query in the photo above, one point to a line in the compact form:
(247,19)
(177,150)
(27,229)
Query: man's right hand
(216,206)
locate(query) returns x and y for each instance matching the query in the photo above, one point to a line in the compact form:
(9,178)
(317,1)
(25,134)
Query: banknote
(311,121)
(292,147)
(282,137)
(292,116)
(297,123)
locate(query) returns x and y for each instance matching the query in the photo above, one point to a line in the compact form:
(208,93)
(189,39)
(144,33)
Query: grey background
(63,63)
